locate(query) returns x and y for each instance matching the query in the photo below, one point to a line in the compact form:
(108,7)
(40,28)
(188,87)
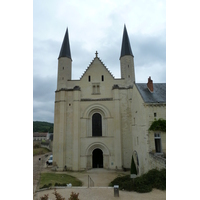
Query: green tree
(133,167)
(42,127)
(158,125)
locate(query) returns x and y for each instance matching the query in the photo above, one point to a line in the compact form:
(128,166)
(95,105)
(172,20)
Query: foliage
(141,184)
(74,196)
(46,186)
(152,179)
(42,127)
(158,125)
(57,178)
(58,196)
(133,167)
(36,146)
(45,197)
(60,184)
(123,182)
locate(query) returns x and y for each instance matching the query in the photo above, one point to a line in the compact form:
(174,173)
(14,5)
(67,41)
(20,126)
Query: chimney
(150,84)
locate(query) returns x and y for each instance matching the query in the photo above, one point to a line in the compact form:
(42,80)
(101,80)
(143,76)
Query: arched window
(96,125)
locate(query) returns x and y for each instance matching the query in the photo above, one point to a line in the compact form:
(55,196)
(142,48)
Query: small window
(95,89)
(62,78)
(63,68)
(158,146)
(154,114)
(98,89)
(102,77)
(89,78)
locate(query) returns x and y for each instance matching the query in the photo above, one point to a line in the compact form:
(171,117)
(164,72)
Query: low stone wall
(156,162)
(47,145)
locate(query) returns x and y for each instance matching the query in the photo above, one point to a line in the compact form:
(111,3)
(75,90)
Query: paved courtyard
(104,194)
(100,191)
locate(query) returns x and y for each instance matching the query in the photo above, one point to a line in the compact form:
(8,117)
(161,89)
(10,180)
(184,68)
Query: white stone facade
(113,105)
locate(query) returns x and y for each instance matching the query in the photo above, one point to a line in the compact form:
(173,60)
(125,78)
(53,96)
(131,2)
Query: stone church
(101,121)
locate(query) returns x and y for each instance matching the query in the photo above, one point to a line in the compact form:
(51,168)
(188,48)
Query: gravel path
(38,167)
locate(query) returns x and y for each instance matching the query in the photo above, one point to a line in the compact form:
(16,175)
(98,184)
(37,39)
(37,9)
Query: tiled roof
(36,134)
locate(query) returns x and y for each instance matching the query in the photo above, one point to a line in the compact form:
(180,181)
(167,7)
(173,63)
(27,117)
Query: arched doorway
(97,158)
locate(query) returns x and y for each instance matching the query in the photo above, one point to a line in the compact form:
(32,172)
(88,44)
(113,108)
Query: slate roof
(157,96)
(65,49)
(126,47)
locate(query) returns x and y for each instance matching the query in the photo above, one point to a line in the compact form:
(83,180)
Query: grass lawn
(39,151)
(52,178)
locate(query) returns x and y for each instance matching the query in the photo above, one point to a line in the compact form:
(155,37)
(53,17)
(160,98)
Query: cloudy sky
(95,26)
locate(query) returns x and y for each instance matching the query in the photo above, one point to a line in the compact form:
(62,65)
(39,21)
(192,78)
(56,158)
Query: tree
(133,167)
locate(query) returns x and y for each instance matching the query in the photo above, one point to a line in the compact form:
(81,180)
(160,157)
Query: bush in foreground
(144,183)
(58,196)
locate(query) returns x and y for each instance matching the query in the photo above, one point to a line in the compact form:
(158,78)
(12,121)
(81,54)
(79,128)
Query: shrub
(45,197)
(36,146)
(144,183)
(160,180)
(60,184)
(58,196)
(74,196)
(141,185)
(46,186)
(133,168)
(128,185)
(124,182)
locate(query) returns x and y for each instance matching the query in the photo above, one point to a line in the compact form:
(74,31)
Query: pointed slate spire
(126,47)
(65,49)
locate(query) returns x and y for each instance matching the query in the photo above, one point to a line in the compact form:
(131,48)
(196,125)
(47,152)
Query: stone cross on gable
(96,54)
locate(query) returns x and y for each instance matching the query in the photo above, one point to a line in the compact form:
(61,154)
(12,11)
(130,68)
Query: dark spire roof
(65,49)
(126,47)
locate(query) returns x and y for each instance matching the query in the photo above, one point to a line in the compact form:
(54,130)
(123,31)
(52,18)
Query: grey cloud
(149,49)
(44,88)
(43,95)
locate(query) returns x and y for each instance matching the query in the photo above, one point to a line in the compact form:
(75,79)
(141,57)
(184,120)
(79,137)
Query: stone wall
(156,162)
(47,145)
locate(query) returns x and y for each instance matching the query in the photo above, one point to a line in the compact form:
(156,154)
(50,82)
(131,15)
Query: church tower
(127,60)
(64,63)
(60,117)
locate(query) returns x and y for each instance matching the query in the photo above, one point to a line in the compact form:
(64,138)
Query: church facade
(101,121)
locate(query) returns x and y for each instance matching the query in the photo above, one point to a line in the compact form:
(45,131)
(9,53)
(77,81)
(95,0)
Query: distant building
(40,136)
(101,121)
(50,136)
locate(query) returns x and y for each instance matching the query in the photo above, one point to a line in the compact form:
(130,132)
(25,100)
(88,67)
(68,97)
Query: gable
(96,70)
